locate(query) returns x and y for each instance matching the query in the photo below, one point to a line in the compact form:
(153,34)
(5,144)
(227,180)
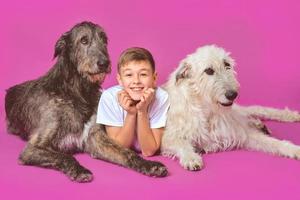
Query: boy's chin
(136,97)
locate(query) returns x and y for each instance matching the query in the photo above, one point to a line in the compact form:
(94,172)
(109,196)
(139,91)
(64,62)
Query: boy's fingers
(146,97)
(121,95)
(126,97)
(125,94)
(146,90)
(127,105)
(121,92)
(151,89)
(124,100)
(142,99)
(149,95)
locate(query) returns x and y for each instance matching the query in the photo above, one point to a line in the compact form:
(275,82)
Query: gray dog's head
(85,47)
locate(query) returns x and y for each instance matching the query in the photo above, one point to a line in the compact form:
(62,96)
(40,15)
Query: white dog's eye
(209,71)
(227,65)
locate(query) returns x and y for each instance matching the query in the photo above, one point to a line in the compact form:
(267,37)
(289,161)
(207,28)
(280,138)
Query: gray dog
(56,112)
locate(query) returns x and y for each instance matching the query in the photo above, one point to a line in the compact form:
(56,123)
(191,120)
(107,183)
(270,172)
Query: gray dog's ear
(61,44)
(183,72)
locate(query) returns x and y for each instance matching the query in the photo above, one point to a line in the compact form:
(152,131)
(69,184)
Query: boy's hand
(146,99)
(126,102)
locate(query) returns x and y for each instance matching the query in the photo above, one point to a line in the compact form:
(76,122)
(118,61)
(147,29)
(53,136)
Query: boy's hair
(136,54)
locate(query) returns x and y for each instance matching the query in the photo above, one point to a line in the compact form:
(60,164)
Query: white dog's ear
(183,72)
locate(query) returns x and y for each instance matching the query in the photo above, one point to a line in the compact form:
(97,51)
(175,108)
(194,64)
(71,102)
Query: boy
(134,112)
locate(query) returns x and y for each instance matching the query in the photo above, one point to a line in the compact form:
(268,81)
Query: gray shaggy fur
(56,112)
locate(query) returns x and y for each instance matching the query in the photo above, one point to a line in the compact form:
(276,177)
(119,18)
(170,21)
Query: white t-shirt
(112,114)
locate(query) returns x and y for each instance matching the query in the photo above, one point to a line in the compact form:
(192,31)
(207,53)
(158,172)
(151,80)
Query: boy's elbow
(150,152)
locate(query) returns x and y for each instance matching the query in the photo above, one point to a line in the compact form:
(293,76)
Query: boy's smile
(137,88)
(135,77)
(135,92)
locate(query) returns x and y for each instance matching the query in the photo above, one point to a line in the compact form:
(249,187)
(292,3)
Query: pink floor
(263,37)
(228,175)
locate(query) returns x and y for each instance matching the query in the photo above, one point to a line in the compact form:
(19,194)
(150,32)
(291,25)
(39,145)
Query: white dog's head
(209,72)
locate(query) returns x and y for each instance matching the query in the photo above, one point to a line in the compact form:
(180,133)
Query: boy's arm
(124,136)
(149,139)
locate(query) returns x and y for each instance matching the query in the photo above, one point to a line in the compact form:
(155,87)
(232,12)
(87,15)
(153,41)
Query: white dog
(202,116)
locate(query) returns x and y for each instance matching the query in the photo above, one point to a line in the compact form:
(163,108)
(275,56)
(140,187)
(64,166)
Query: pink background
(263,37)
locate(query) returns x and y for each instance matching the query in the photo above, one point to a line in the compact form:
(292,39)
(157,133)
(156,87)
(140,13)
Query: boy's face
(135,76)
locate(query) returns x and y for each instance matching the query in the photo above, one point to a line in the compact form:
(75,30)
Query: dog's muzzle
(230,96)
(104,66)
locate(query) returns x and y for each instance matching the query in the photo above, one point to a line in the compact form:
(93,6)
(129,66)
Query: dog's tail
(266,113)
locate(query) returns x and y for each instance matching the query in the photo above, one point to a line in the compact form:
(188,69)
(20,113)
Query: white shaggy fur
(201,117)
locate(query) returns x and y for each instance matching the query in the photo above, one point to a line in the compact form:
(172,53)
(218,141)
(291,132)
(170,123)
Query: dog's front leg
(100,146)
(184,151)
(265,143)
(42,157)
(267,113)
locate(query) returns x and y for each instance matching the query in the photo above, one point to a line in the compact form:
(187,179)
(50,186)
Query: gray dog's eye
(209,71)
(84,40)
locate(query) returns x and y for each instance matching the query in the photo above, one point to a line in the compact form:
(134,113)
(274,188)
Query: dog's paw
(297,155)
(154,169)
(81,175)
(192,162)
(291,116)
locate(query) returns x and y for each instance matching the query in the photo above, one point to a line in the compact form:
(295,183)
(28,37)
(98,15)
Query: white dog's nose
(231,95)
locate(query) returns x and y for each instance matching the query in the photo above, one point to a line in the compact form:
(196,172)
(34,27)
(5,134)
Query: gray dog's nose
(231,95)
(103,63)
